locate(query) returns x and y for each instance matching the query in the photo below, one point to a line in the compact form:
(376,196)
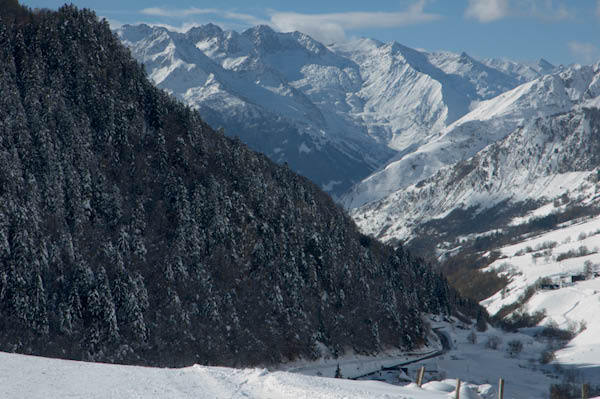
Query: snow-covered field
(473,361)
(483,357)
(33,377)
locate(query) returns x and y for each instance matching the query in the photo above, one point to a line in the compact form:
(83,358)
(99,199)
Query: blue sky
(561,31)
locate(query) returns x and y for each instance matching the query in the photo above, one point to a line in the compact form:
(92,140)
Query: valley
(254,213)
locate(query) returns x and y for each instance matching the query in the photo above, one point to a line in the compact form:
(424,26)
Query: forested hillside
(132,232)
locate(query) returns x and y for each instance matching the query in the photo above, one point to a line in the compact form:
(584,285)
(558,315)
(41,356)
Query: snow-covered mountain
(410,95)
(334,113)
(490,121)
(538,161)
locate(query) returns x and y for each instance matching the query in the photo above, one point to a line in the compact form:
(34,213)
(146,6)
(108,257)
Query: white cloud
(178,13)
(585,53)
(247,18)
(220,17)
(545,10)
(333,26)
(318,26)
(493,10)
(487,10)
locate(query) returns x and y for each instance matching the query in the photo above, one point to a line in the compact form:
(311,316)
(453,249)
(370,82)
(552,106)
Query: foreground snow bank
(34,377)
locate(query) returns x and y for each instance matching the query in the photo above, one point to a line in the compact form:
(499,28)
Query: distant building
(566,280)
(550,286)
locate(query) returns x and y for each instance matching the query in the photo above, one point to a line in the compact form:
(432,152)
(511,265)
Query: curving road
(446,346)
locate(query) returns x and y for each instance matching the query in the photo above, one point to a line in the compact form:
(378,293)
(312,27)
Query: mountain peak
(264,38)
(268,40)
(465,58)
(544,65)
(209,29)
(146,27)
(134,33)
(259,30)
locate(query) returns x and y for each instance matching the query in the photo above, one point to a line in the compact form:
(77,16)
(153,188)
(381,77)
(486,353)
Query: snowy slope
(33,377)
(333,113)
(537,162)
(569,306)
(489,122)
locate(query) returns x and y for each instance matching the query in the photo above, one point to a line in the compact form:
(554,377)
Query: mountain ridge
(356,104)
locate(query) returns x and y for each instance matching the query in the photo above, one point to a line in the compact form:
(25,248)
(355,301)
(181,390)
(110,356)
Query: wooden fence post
(501,389)
(585,391)
(420,375)
(458,388)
